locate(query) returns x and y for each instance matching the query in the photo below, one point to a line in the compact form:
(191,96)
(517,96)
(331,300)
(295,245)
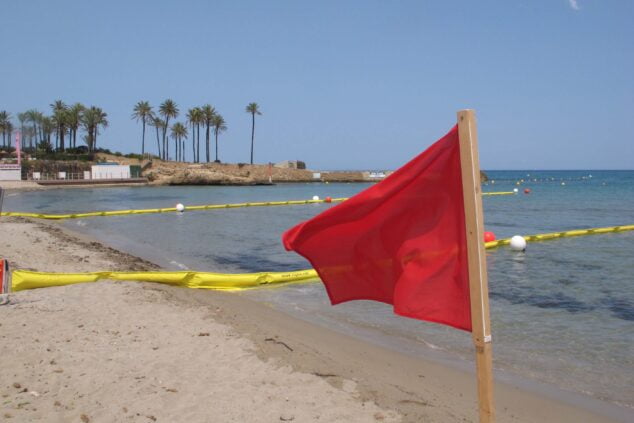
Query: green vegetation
(6,127)
(65,122)
(92,119)
(54,136)
(207,116)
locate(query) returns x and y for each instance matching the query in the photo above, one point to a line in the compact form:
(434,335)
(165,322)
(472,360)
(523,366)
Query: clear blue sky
(342,84)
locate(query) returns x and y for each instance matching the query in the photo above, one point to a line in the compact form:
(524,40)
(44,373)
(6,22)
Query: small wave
(179,265)
(433,346)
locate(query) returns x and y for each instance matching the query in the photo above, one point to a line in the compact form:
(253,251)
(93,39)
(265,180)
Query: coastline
(24,186)
(415,388)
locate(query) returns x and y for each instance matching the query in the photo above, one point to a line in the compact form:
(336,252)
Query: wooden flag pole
(478,282)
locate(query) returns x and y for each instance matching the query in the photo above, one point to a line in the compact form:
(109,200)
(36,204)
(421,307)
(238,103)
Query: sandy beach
(118,351)
(453,176)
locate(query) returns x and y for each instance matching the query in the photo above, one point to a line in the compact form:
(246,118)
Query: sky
(341,84)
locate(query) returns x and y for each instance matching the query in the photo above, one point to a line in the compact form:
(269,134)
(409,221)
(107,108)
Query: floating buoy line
(564,234)
(533,179)
(182,208)
(24,279)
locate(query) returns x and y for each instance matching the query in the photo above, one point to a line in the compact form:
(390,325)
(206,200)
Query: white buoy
(515,190)
(518,243)
(180,208)
(315,198)
(563,184)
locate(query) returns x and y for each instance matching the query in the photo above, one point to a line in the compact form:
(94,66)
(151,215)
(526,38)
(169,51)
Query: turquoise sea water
(562,312)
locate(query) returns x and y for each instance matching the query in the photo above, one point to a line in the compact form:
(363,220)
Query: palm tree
(5,122)
(219,127)
(208,113)
(30,134)
(142,111)
(58,105)
(158,124)
(73,119)
(100,121)
(34,117)
(191,119)
(48,127)
(179,131)
(59,115)
(254,109)
(91,120)
(168,109)
(195,117)
(22,117)
(8,127)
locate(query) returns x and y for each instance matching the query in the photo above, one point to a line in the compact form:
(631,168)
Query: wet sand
(118,351)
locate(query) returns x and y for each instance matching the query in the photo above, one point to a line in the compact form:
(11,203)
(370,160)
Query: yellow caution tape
(188,208)
(23,279)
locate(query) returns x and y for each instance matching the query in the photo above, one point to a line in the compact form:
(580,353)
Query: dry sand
(117,351)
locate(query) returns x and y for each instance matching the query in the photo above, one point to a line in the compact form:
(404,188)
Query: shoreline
(26,186)
(417,388)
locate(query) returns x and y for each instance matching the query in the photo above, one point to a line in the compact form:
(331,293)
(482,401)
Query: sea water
(562,312)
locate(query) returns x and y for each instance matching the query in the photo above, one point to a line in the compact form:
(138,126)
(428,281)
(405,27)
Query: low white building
(110,171)
(10,172)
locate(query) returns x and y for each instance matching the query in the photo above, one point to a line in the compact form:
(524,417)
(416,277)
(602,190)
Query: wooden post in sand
(478,282)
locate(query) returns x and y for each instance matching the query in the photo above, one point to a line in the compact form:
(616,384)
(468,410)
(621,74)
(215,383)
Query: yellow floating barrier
(500,193)
(166,210)
(24,279)
(188,208)
(565,234)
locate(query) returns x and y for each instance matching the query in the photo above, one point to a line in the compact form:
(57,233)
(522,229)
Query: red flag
(401,241)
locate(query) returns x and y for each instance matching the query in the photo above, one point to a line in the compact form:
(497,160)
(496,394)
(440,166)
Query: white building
(10,172)
(110,171)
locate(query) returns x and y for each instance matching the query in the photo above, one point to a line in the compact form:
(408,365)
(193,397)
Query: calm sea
(562,312)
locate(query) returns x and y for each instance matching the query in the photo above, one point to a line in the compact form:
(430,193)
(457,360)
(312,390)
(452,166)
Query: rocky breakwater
(172,173)
(164,173)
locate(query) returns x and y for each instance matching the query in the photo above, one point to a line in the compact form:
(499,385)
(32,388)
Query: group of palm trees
(205,116)
(37,128)
(64,122)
